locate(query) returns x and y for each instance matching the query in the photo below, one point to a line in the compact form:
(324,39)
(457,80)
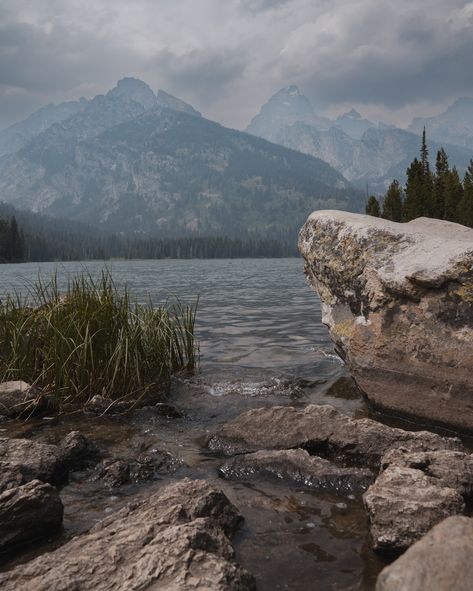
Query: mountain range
(364,152)
(135,161)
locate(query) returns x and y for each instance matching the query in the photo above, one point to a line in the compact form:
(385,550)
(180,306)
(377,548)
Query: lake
(258,324)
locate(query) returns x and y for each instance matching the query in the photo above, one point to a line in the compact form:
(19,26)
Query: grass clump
(94,339)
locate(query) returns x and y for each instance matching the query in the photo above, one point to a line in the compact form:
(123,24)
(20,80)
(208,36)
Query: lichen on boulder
(397,299)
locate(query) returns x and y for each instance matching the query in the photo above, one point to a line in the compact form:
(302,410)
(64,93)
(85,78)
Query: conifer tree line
(440,194)
(12,241)
(30,237)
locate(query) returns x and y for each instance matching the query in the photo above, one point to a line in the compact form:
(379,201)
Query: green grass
(93,338)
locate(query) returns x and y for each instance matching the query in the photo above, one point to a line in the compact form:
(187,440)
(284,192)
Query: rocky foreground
(397,299)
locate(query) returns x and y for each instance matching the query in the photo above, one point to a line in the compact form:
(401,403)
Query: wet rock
(27,513)
(441,561)
(18,398)
(397,299)
(404,503)
(145,467)
(276,386)
(298,466)
(22,460)
(177,540)
(78,452)
(161,410)
(322,430)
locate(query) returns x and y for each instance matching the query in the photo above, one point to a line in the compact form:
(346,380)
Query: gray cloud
(389,60)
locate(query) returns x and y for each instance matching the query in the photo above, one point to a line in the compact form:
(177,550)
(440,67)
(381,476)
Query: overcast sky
(391,60)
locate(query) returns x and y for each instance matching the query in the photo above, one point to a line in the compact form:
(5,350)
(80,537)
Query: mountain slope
(14,137)
(163,171)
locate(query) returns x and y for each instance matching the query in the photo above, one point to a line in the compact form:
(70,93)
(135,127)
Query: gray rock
(18,398)
(404,503)
(441,561)
(322,430)
(78,451)
(298,466)
(27,513)
(174,540)
(397,299)
(22,460)
(453,469)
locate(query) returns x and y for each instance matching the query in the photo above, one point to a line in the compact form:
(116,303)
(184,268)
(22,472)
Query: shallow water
(262,343)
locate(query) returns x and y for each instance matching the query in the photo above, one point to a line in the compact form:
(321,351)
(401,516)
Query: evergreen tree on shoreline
(392,204)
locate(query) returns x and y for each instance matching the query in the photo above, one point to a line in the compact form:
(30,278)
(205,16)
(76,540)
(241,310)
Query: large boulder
(177,539)
(27,513)
(441,561)
(323,430)
(397,299)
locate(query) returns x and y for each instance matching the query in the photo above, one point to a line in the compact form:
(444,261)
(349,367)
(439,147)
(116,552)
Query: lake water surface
(258,324)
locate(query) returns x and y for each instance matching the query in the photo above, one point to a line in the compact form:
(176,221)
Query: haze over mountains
(131,160)
(364,152)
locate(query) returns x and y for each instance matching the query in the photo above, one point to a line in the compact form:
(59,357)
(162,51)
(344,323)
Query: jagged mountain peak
(134,89)
(351,114)
(164,99)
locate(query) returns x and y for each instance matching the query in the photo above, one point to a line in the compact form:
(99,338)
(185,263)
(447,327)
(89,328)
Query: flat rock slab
(28,513)
(322,430)
(397,299)
(404,503)
(177,540)
(441,561)
(296,465)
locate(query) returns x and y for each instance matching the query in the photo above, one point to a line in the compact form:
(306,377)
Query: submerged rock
(298,466)
(441,561)
(404,503)
(322,430)
(397,299)
(27,513)
(177,540)
(18,398)
(146,466)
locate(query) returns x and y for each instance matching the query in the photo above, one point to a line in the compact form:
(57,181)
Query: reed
(94,338)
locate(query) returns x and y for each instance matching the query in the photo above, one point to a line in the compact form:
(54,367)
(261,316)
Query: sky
(390,60)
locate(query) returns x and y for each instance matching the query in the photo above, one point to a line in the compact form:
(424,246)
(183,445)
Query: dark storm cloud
(202,74)
(228,57)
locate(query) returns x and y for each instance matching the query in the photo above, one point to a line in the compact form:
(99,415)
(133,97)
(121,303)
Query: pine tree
(440,184)
(465,209)
(453,196)
(372,207)
(392,204)
(413,203)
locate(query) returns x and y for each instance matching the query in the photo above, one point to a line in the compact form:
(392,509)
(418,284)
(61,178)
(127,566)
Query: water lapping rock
(323,430)
(423,477)
(397,299)
(297,466)
(177,539)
